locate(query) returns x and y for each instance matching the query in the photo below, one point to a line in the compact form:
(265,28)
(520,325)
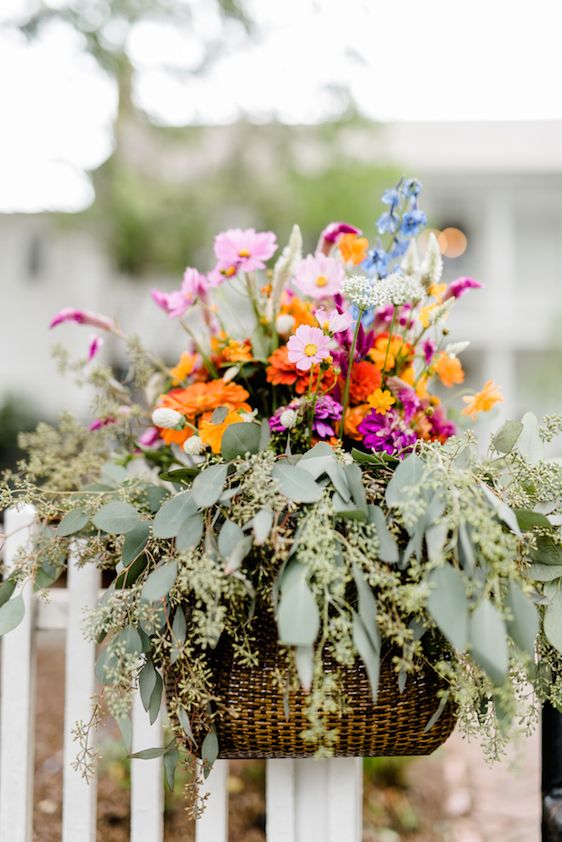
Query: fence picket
(280,800)
(147,792)
(17,699)
(213,824)
(79,796)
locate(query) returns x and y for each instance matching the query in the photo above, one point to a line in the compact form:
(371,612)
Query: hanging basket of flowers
(304,555)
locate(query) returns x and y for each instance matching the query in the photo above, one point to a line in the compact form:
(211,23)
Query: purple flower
(428,347)
(410,402)
(275,424)
(325,411)
(460,286)
(95,344)
(387,433)
(441,427)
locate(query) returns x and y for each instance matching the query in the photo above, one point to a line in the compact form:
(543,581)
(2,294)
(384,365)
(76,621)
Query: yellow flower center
(229,272)
(321,281)
(244,253)
(310,349)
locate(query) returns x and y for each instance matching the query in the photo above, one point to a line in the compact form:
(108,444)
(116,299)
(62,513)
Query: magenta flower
(333,322)
(428,347)
(243,251)
(333,232)
(458,288)
(150,437)
(319,276)
(82,317)
(176,304)
(95,345)
(410,402)
(387,433)
(98,423)
(308,346)
(326,410)
(441,427)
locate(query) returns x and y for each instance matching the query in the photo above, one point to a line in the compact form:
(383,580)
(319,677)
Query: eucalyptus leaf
(448,605)
(438,713)
(170,763)
(131,573)
(179,630)
(465,548)
(502,510)
(208,486)
(370,655)
(354,477)
(524,626)
(548,550)
(262,524)
(506,438)
(11,614)
(530,444)
(388,548)
(296,483)
(183,720)
(155,699)
(347,509)
(147,683)
(7,588)
(149,753)
(155,496)
(304,660)
(488,641)
(160,582)
(209,752)
(126,728)
(72,522)
(219,415)
(338,479)
(552,623)
(367,607)
(185,474)
(265,434)
(130,639)
(298,618)
(156,620)
(190,532)
(116,518)
(114,474)
(528,520)
(317,459)
(173,514)
(435,537)
(405,480)
(544,572)
(229,536)
(135,542)
(239,439)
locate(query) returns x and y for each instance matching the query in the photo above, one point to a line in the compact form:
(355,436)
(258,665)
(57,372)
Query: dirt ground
(449,797)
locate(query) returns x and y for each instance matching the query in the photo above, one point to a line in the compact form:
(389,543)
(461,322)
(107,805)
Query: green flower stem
(207,362)
(314,400)
(392,323)
(345,401)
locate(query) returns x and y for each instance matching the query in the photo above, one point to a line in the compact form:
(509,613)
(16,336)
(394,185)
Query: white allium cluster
(399,289)
(288,418)
(359,290)
(432,265)
(456,348)
(194,446)
(167,418)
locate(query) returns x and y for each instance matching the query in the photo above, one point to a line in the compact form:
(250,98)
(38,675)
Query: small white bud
(230,373)
(194,446)
(455,348)
(248,417)
(284,324)
(169,419)
(288,418)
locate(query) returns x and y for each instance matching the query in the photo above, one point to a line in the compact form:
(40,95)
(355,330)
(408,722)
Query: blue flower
(391,196)
(399,248)
(388,223)
(410,187)
(377,259)
(412,223)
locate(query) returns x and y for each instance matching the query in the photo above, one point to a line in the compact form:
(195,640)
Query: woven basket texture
(393,726)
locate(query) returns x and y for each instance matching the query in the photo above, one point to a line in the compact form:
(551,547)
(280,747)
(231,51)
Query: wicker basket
(393,726)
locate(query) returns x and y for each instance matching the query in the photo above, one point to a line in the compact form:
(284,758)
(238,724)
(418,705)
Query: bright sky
(407,60)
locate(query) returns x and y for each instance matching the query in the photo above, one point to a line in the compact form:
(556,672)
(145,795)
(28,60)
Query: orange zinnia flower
(211,434)
(301,311)
(353,418)
(198,398)
(282,372)
(483,401)
(449,370)
(353,248)
(399,352)
(365,378)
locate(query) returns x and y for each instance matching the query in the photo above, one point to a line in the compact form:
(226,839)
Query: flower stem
(392,323)
(350,361)
(207,362)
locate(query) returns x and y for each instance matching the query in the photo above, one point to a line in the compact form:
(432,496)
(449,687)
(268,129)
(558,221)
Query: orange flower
(399,352)
(184,367)
(211,434)
(365,378)
(421,387)
(449,370)
(301,311)
(205,397)
(231,350)
(353,418)
(483,401)
(353,248)
(381,400)
(282,372)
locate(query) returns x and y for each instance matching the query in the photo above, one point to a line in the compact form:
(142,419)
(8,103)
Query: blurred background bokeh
(134,130)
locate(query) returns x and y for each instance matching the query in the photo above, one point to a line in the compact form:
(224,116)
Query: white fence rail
(307,800)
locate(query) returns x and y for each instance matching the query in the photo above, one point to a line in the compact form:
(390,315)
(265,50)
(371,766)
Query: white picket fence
(307,800)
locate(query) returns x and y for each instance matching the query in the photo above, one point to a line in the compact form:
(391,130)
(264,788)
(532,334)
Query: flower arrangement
(296,464)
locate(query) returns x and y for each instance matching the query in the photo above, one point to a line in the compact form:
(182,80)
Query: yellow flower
(425,313)
(483,401)
(449,370)
(437,291)
(381,400)
(421,387)
(211,434)
(183,369)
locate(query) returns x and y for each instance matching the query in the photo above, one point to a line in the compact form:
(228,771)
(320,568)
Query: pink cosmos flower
(82,317)
(150,437)
(245,251)
(308,346)
(333,322)
(319,276)
(458,288)
(333,232)
(95,345)
(176,304)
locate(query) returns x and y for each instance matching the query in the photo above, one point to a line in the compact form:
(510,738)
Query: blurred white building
(498,183)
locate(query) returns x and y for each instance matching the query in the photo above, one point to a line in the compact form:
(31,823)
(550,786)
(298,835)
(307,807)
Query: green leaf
(147,683)
(126,728)
(11,614)
(506,438)
(190,532)
(544,572)
(229,536)
(528,520)
(180,474)
(209,752)
(304,661)
(131,639)
(388,548)
(262,523)
(548,551)
(265,434)
(170,763)
(370,655)
(347,509)
(114,474)
(72,522)
(367,607)
(183,720)
(239,439)
(155,699)
(150,753)
(6,590)
(354,477)
(338,479)
(135,542)
(155,495)
(552,623)
(173,514)
(378,459)
(298,618)
(160,582)
(448,605)
(219,415)
(524,626)
(317,459)
(208,486)
(156,620)
(435,537)
(502,510)
(131,573)
(438,713)
(296,483)
(116,518)
(530,444)
(465,548)
(179,631)
(488,641)
(405,480)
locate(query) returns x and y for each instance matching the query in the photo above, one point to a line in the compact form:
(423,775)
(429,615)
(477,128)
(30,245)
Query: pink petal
(82,317)
(95,345)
